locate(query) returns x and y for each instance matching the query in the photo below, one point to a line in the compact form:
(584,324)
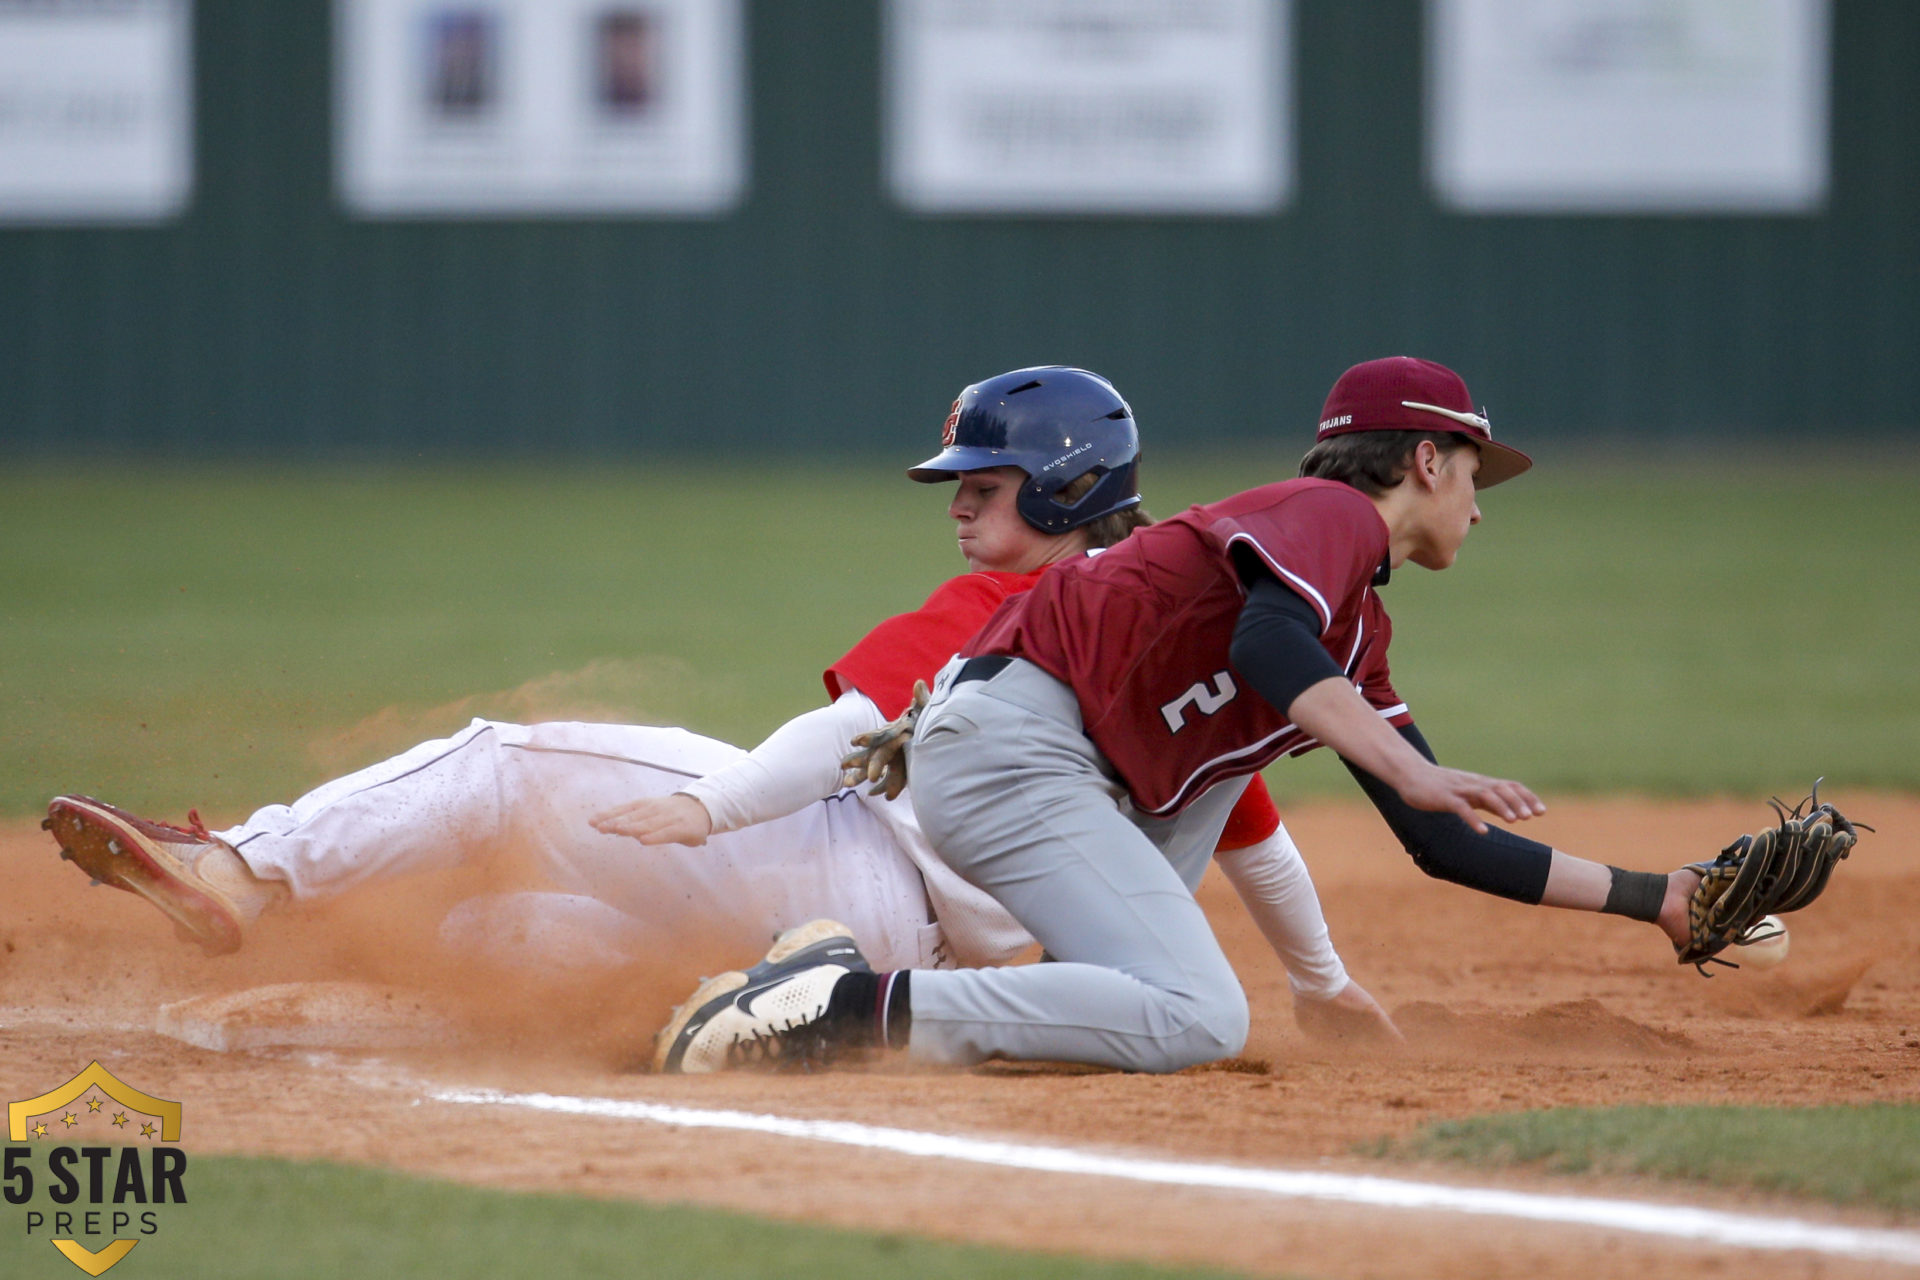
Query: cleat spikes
(157,862)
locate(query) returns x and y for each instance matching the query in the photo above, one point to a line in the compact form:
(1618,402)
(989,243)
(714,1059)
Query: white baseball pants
(502,789)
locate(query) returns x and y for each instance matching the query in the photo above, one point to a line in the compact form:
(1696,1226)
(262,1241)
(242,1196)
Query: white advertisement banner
(526,107)
(1628,106)
(1088,106)
(96,110)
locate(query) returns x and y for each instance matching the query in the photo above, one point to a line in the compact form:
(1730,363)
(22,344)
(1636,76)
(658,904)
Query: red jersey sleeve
(914,646)
(1253,818)
(1324,540)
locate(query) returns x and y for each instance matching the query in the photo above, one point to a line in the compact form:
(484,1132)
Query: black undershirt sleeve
(1276,643)
(1445,847)
(1276,649)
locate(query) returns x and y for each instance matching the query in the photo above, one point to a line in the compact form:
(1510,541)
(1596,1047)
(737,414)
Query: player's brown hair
(1372,461)
(1113,526)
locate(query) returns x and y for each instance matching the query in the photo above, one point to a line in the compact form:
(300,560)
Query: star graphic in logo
(93,1104)
(40,1130)
(70,1120)
(146,1131)
(120,1120)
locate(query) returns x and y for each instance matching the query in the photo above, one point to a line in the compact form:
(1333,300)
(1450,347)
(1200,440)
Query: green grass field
(172,638)
(282,1220)
(1851,1155)
(232,637)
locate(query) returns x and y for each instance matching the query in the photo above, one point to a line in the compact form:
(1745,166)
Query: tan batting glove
(879,755)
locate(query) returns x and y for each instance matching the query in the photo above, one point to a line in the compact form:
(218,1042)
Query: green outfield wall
(821,316)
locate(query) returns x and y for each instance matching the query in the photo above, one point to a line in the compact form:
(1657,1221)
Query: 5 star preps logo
(89,1162)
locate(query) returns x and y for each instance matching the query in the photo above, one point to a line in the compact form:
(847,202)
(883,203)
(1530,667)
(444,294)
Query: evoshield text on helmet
(1055,423)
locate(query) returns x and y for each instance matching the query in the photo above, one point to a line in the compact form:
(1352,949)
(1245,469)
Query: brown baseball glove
(1771,872)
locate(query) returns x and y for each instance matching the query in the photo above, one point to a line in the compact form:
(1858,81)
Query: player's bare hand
(1673,920)
(879,756)
(1442,790)
(674,819)
(1352,1016)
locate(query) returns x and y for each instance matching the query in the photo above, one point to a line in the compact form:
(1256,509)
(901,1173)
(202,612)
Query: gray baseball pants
(1018,800)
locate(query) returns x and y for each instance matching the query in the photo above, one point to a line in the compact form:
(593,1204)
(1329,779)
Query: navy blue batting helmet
(1056,424)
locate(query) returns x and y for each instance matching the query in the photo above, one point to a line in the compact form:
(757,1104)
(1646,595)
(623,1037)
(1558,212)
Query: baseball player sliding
(1078,760)
(748,843)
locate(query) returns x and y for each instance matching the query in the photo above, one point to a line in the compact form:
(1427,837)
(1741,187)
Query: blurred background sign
(509,274)
(1629,105)
(96,115)
(540,106)
(1094,106)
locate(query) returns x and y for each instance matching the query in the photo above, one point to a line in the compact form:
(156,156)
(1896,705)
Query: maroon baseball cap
(1401,393)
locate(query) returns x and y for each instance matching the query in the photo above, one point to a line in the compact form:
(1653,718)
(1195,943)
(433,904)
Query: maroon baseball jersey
(1141,633)
(914,646)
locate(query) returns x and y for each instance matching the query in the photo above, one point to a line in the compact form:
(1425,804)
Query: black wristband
(1638,895)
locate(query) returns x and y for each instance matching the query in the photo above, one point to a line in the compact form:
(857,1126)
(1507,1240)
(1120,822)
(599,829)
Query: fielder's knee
(1215,1027)
(1221,1030)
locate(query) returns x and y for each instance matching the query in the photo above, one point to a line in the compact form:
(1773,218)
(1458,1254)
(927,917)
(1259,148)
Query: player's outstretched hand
(1442,790)
(674,819)
(1352,1016)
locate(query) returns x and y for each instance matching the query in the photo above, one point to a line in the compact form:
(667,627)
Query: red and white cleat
(197,880)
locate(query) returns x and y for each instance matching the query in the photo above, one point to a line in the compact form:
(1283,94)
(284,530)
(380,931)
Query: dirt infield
(1506,1007)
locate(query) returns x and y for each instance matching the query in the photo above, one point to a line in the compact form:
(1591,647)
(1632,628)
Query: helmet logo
(1068,456)
(953,424)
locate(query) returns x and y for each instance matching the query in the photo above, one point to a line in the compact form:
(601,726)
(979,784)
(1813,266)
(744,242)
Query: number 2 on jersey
(1206,700)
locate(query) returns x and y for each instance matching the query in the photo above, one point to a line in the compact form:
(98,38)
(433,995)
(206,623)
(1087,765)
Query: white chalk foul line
(1705,1225)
